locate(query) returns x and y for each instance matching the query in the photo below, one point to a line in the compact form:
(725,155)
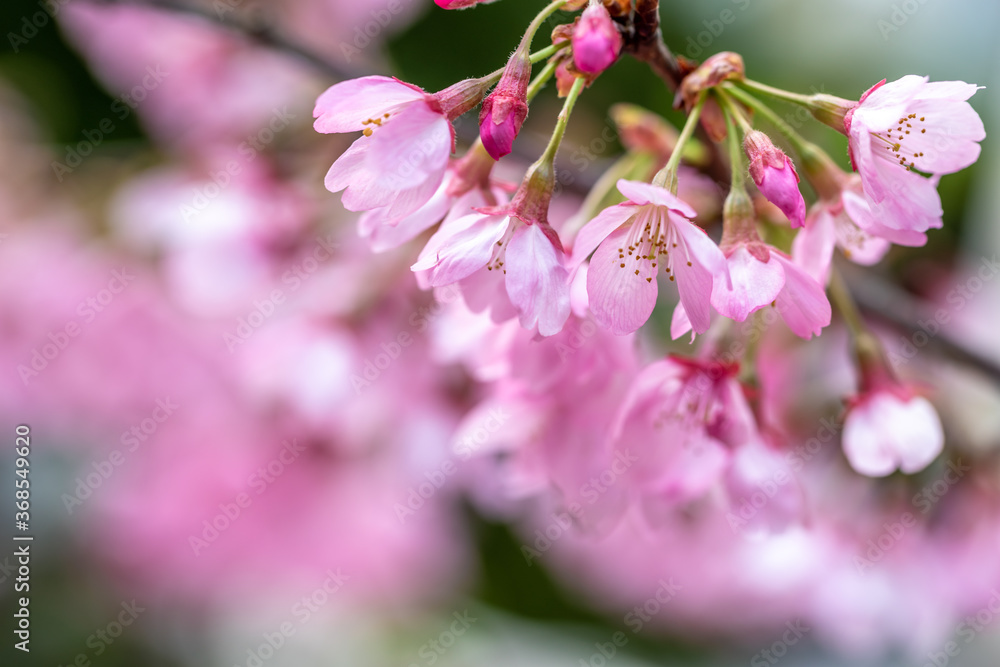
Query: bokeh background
(234,499)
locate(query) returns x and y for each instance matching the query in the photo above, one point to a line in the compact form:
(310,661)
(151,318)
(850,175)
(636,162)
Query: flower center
(374,122)
(496,262)
(897,145)
(650,237)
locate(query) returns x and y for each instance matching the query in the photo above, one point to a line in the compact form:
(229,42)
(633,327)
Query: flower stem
(536,22)
(548,51)
(540,80)
(667,177)
(787,96)
(842,298)
(801,145)
(735,116)
(560,129)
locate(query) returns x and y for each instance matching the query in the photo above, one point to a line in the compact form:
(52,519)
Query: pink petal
(487,291)
(885,432)
(412,147)
(781,188)
(384,233)
(646,193)
(620,300)
(537,281)
(869,250)
(755,284)
(346,167)
(813,245)
(345,106)
(694,283)
(598,229)
(458,249)
(802,303)
(680,323)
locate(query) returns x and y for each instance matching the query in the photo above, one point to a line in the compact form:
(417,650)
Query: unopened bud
(596,40)
(505,109)
(775,176)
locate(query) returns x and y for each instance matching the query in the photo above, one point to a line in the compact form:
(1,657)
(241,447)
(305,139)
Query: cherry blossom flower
(653,228)
(906,128)
(401,159)
(762,275)
(848,223)
(596,40)
(513,244)
(672,418)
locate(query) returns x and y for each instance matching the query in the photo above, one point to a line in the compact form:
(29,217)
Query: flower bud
(596,40)
(775,176)
(505,109)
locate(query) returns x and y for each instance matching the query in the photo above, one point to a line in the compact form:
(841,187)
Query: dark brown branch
(645,42)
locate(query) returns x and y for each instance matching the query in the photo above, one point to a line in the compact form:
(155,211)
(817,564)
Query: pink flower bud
(775,176)
(505,109)
(596,40)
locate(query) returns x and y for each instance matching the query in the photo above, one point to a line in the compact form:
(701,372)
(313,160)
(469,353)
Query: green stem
(536,23)
(844,302)
(801,145)
(787,96)
(540,80)
(547,52)
(734,116)
(560,129)
(667,177)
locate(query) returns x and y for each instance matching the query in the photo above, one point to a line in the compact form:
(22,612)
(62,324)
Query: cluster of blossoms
(637,380)
(496,243)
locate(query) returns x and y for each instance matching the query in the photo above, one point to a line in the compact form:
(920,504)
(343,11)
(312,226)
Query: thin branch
(259,32)
(879,299)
